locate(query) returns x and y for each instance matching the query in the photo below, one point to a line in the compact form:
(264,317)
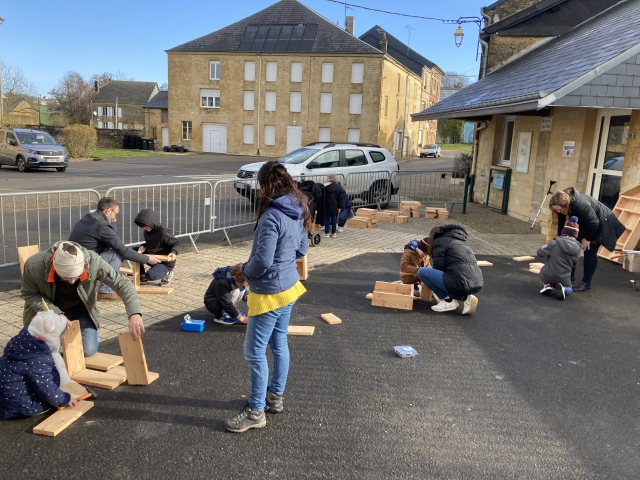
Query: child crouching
(158,241)
(413,258)
(228,287)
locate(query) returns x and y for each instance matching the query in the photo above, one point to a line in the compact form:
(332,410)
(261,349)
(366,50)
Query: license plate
(52,159)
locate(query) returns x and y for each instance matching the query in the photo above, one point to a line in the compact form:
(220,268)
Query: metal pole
(551,184)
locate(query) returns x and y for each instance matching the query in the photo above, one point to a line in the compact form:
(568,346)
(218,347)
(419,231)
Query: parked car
(27,149)
(432,150)
(364,169)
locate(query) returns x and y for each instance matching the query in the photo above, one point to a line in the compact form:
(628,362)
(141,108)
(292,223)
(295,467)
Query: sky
(48,38)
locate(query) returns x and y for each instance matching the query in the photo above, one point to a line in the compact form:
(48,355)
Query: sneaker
(470,305)
(246,420)
(444,306)
(274,402)
(108,296)
(546,290)
(225,319)
(560,292)
(166,280)
(416,291)
(333,235)
(340,229)
(143,279)
(326,235)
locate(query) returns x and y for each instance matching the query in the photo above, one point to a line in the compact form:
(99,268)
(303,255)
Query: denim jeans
(343,217)
(156,272)
(114,259)
(432,278)
(267,329)
(330,219)
(88,331)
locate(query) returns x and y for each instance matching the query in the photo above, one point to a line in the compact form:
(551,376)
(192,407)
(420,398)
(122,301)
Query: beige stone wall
(485,160)
(154,126)
(509,7)
(503,48)
(631,169)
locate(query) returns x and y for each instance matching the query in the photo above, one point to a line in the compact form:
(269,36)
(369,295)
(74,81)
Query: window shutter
(269,135)
(353,135)
(248,99)
(326,100)
(247,134)
(357,73)
(296,71)
(355,104)
(324,135)
(250,71)
(270,101)
(295,102)
(272,71)
(327,73)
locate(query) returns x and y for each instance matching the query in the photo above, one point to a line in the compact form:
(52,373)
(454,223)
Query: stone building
(157,119)
(566,111)
(18,112)
(119,104)
(285,77)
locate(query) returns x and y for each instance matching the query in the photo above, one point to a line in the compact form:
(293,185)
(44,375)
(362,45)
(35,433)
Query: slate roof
(159,100)
(448,92)
(127,92)
(528,82)
(329,38)
(398,50)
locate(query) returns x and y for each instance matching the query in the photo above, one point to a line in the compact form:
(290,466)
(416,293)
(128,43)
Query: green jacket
(35,286)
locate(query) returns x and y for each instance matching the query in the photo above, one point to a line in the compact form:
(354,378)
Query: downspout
(259,94)
(485,45)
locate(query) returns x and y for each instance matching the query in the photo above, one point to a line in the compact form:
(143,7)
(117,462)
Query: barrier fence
(429,188)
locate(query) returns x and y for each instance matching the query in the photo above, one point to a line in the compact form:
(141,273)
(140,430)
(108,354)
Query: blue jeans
(114,259)
(156,272)
(88,331)
(330,218)
(344,215)
(432,278)
(267,329)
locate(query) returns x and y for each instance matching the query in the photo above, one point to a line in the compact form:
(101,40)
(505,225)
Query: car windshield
(298,156)
(431,146)
(35,138)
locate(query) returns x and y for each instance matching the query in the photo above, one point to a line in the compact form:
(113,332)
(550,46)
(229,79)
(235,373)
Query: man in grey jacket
(96,232)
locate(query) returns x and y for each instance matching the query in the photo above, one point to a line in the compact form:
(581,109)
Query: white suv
(365,170)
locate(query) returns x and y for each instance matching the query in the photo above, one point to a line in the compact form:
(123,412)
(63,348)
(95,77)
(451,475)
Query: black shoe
(583,287)
(560,295)
(573,278)
(274,402)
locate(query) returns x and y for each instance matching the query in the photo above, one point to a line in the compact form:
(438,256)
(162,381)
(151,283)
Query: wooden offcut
(386,217)
(126,271)
(303,267)
(330,318)
(392,300)
(410,203)
(399,288)
(118,371)
(94,378)
(148,289)
(426,293)
(526,258)
(402,219)
(366,212)
(430,213)
(303,330)
(60,420)
(135,362)
(74,389)
(369,296)
(24,253)
(484,263)
(102,361)
(359,222)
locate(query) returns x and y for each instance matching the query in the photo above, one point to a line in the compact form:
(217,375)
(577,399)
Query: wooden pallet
(627,210)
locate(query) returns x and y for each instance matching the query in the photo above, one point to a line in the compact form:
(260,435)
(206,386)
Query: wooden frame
(150,289)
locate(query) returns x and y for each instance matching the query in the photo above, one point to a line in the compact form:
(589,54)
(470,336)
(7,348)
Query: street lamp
(458,35)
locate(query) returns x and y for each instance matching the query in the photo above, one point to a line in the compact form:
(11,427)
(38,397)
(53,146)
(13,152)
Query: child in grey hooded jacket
(562,255)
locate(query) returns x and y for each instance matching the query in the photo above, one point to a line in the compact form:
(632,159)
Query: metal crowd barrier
(429,188)
(40,218)
(184,208)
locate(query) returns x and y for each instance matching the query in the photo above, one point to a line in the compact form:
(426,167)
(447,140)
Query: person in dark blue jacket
(345,209)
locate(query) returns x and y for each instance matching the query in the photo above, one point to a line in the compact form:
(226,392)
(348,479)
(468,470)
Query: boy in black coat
(228,287)
(331,204)
(160,241)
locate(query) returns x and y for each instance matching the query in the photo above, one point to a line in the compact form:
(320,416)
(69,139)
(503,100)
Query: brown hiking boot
(108,296)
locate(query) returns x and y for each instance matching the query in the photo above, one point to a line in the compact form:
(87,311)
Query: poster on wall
(523,152)
(546,124)
(568,148)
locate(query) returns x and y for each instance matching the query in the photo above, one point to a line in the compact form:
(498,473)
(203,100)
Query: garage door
(294,138)
(214,137)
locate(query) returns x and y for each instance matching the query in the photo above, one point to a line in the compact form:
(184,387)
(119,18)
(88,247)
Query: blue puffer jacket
(29,381)
(279,238)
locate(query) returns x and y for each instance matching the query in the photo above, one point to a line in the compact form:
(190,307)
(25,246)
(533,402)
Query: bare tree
(455,80)
(164,87)
(15,85)
(73,94)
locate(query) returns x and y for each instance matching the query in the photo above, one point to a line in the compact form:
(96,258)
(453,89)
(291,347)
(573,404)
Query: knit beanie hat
(571,227)
(423,244)
(68,261)
(49,326)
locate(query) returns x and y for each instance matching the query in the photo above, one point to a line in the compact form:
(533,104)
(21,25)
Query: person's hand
(141,249)
(172,256)
(153,260)
(72,402)
(586,244)
(136,327)
(243,319)
(339,210)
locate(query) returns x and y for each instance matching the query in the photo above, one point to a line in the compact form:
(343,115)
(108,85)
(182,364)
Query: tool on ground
(90,393)
(551,184)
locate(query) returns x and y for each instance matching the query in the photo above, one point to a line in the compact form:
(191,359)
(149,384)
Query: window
(324,134)
(186,130)
(397,109)
(357,73)
(326,101)
(507,140)
(270,101)
(272,71)
(269,135)
(295,102)
(214,70)
(353,135)
(247,134)
(422,105)
(377,156)
(398,83)
(248,99)
(165,115)
(120,112)
(119,125)
(329,159)
(110,125)
(386,105)
(126,126)
(250,71)
(110,111)
(296,71)
(355,103)
(209,98)
(327,73)
(99,126)
(355,158)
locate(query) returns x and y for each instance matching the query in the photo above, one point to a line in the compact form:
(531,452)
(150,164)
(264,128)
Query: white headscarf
(49,326)
(68,260)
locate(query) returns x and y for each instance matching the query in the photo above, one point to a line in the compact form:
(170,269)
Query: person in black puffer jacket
(158,240)
(455,274)
(331,205)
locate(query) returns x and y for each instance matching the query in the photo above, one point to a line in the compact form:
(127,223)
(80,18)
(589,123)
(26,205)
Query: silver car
(27,149)
(431,150)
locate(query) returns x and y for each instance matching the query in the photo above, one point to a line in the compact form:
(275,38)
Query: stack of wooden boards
(397,295)
(436,213)
(370,217)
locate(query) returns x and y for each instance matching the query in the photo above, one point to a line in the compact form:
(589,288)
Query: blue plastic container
(193,326)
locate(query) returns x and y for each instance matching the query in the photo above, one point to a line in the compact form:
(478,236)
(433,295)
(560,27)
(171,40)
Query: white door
(214,137)
(294,138)
(165,137)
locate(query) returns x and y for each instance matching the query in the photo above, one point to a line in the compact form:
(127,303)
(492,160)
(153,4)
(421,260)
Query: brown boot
(108,296)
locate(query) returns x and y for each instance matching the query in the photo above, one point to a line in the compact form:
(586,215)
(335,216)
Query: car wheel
(21,163)
(61,169)
(378,194)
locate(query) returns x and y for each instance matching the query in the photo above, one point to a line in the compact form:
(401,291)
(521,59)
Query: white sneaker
(416,291)
(546,289)
(470,305)
(340,229)
(445,306)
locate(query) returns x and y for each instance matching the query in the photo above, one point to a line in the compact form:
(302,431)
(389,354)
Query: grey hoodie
(562,255)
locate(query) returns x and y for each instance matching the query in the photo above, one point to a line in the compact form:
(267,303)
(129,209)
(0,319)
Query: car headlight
(28,150)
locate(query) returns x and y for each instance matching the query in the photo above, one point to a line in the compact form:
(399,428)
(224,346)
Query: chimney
(351,21)
(96,87)
(383,43)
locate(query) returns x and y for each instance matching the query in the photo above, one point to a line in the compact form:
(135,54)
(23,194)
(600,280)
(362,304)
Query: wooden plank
(526,258)
(118,371)
(74,389)
(153,290)
(98,379)
(135,361)
(483,263)
(301,330)
(536,265)
(330,318)
(426,293)
(354,222)
(392,300)
(303,267)
(136,275)
(410,203)
(102,361)
(402,219)
(162,258)
(429,214)
(369,296)
(126,271)
(24,253)
(71,342)
(399,288)
(60,420)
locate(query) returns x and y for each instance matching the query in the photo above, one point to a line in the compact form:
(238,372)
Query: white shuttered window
(324,135)
(326,100)
(248,99)
(272,71)
(270,101)
(295,102)
(353,135)
(250,71)
(327,73)
(357,73)
(296,71)
(269,135)
(247,134)
(355,103)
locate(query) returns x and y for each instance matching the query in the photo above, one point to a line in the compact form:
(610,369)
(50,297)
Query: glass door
(608,158)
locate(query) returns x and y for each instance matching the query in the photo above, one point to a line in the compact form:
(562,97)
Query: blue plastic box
(193,326)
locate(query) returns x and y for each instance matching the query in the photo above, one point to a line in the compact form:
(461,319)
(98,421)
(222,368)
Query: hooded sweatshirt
(159,240)
(562,255)
(225,291)
(410,263)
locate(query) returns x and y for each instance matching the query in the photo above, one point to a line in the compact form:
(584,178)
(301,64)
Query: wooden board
(148,289)
(74,389)
(60,420)
(398,288)
(526,258)
(426,293)
(98,379)
(71,342)
(102,361)
(385,217)
(303,267)
(330,318)
(483,263)
(369,296)
(392,300)
(536,265)
(126,271)
(430,214)
(410,203)
(135,362)
(24,253)
(356,222)
(162,258)
(402,219)
(301,330)
(119,371)
(366,212)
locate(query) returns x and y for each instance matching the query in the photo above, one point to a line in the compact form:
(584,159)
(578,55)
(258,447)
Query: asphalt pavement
(528,387)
